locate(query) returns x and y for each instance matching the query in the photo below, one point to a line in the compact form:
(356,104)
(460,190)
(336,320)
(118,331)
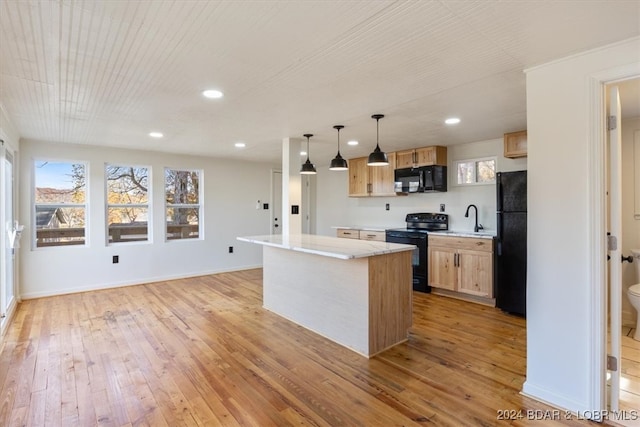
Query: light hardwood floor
(630,372)
(203,351)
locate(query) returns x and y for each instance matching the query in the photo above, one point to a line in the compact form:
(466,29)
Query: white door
(615,247)
(276,202)
(7,264)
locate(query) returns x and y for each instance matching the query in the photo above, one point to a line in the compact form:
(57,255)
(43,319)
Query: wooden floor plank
(203,351)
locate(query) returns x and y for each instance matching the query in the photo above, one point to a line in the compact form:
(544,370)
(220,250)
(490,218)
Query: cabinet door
(515,144)
(358,177)
(434,155)
(381,178)
(442,270)
(405,159)
(475,271)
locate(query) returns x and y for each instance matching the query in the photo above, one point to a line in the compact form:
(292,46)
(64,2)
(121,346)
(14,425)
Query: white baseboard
(147,280)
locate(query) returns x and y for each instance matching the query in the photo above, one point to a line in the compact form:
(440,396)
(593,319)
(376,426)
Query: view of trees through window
(480,171)
(182,193)
(60,197)
(127,203)
(61,194)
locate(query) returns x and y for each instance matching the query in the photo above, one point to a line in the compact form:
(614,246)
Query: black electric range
(418,227)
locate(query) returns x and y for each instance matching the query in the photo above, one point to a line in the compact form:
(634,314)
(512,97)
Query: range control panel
(428,221)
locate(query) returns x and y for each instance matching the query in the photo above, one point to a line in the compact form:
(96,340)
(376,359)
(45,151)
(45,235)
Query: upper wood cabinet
(367,181)
(515,144)
(358,177)
(425,156)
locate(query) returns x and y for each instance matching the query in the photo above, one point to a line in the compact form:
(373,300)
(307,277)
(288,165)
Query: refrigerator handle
(499,192)
(499,234)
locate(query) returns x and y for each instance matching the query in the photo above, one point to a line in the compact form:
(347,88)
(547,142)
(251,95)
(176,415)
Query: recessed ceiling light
(352,142)
(240,144)
(303,153)
(213,94)
(452,121)
(156,134)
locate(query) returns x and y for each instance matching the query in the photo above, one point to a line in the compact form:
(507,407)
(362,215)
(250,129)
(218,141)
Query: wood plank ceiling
(109,72)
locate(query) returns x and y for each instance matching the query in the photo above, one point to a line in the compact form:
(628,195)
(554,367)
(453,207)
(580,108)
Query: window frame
(475,163)
(34,204)
(199,205)
(148,205)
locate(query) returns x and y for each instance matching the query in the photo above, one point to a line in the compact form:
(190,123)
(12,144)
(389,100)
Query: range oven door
(419,255)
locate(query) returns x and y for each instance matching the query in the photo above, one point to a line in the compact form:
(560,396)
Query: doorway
(630,209)
(624,391)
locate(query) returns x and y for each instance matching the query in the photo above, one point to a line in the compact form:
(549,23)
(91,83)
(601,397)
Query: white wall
(336,208)
(563,285)
(630,225)
(230,188)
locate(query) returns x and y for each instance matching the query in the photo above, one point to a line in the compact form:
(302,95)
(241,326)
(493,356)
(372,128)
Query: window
(182,193)
(476,171)
(127,203)
(60,198)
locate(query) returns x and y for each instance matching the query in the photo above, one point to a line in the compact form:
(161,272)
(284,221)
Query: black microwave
(408,180)
(424,179)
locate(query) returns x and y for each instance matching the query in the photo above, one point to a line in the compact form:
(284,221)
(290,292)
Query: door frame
(596,181)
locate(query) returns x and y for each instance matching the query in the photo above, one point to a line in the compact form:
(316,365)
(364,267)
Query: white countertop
(479,235)
(328,246)
(367,227)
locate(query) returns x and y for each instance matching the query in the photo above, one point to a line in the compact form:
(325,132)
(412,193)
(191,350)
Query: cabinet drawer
(455,242)
(378,236)
(348,233)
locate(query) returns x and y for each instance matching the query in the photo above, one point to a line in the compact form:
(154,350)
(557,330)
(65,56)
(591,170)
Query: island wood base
(363,303)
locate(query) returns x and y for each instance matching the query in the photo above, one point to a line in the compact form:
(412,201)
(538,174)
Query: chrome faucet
(477,227)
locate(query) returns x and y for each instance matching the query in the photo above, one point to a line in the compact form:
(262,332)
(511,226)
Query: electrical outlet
(230,249)
(386,207)
(441,207)
(115,259)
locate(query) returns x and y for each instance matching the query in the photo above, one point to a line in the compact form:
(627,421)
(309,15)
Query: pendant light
(338,163)
(307,167)
(377,157)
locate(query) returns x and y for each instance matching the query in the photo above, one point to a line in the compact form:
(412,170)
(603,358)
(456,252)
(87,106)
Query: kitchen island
(354,292)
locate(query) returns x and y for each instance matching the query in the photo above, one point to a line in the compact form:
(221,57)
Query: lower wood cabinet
(351,233)
(461,264)
(348,233)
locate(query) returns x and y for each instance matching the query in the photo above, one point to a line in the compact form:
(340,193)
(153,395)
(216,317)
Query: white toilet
(634,292)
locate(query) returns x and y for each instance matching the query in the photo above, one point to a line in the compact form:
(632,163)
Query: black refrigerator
(511,244)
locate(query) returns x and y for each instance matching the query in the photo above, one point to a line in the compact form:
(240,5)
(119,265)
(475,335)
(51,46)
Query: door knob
(629,259)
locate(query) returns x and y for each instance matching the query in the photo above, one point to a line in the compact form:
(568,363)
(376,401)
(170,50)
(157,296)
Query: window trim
(454,171)
(34,205)
(147,205)
(199,205)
